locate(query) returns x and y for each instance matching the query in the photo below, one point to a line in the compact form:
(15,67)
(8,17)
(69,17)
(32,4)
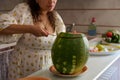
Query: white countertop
(6,47)
(96,66)
(2,46)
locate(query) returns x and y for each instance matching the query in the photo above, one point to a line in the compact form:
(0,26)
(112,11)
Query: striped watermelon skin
(70,52)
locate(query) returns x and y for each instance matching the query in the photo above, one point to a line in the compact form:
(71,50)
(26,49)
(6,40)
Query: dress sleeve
(15,16)
(6,20)
(60,26)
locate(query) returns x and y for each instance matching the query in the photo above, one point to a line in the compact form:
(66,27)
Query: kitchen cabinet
(4,64)
(5,50)
(112,73)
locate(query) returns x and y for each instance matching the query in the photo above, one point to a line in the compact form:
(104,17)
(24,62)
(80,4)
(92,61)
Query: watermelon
(70,52)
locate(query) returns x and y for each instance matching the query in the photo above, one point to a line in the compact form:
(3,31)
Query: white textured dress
(31,53)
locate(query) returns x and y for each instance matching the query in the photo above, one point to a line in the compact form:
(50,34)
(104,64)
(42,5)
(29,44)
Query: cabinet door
(4,64)
(112,73)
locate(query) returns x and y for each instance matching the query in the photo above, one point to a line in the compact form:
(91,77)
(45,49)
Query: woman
(38,24)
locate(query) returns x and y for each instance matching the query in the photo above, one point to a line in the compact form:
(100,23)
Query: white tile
(81,4)
(103,17)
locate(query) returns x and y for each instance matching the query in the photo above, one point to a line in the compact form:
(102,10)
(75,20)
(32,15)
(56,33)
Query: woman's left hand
(39,30)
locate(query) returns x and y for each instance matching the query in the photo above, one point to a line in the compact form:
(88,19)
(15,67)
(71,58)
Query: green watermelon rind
(66,58)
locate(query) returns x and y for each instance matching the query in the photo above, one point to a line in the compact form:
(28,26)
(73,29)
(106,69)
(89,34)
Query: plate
(98,40)
(54,71)
(103,53)
(114,49)
(114,44)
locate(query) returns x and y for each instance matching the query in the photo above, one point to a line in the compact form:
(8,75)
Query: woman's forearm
(17,29)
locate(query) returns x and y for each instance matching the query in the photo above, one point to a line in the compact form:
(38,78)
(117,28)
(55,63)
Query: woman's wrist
(30,28)
(34,30)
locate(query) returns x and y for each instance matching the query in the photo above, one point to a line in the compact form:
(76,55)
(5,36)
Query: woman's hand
(39,30)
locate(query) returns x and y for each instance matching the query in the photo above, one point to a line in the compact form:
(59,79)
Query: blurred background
(80,12)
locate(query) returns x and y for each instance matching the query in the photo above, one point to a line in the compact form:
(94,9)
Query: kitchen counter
(6,47)
(2,46)
(97,65)
(99,68)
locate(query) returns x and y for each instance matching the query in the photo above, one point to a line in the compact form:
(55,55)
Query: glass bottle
(74,28)
(92,27)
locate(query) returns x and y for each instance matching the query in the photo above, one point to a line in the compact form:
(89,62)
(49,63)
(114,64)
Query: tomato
(109,34)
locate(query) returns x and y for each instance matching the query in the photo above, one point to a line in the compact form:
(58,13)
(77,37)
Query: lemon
(100,47)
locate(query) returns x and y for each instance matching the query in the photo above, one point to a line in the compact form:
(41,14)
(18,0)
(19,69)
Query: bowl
(34,78)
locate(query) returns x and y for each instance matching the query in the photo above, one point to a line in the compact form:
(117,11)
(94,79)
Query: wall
(6,5)
(106,12)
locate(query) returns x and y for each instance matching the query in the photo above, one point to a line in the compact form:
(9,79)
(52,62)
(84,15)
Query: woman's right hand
(39,30)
